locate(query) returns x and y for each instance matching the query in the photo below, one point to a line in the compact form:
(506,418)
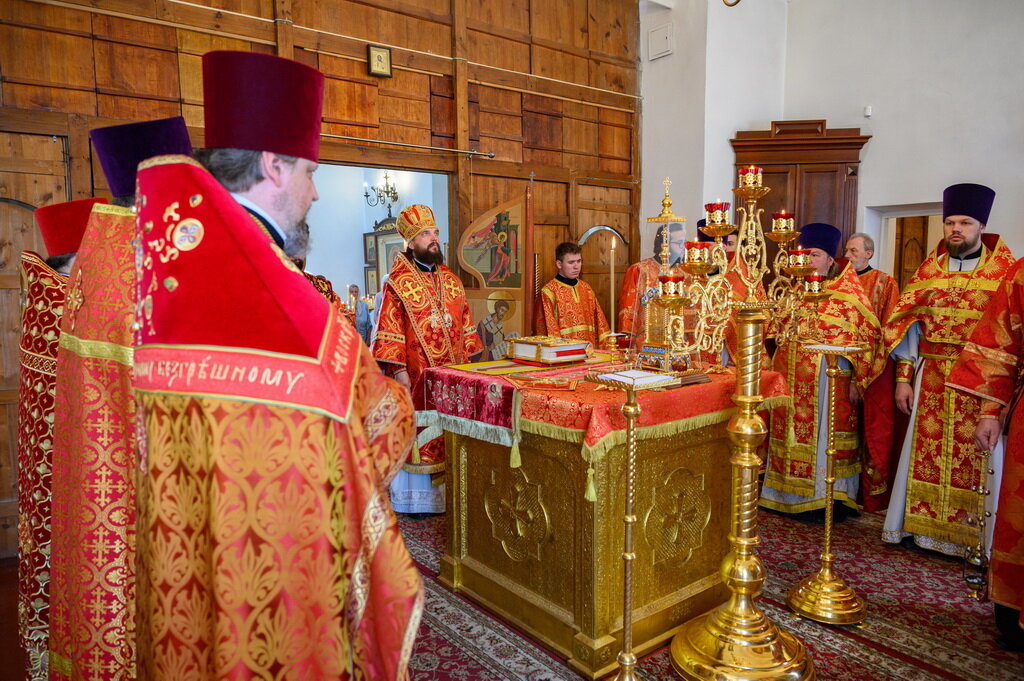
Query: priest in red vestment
(990,368)
(424,322)
(795,478)
(567,306)
(45,281)
(267,547)
(883,425)
(92,628)
(932,496)
(640,282)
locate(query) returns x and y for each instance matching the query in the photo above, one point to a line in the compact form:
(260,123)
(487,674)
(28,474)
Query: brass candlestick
(631,410)
(824,596)
(737,641)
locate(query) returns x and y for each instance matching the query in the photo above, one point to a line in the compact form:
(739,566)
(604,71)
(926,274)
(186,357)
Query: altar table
(536,498)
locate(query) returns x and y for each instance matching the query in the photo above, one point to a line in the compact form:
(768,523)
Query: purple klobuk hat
(121,148)
(973,200)
(821,235)
(701,236)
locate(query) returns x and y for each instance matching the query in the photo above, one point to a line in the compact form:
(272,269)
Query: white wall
(944,79)
(338,220)
(672,132)
(726,74)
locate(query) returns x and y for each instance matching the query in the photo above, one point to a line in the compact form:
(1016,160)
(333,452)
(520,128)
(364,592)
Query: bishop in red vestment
(640,283)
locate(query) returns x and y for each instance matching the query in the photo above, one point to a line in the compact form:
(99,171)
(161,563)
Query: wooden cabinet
(811,169)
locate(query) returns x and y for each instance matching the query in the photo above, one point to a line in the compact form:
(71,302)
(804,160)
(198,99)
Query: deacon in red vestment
(45,282)
(567,306)
(424,322)
(92,628)
(933,497)
(990,367)
(883,425)
(640,283)
(267,545)
(795,479)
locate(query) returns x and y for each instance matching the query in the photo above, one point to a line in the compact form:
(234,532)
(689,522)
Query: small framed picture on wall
(378,60)
(370,248)
(372,283)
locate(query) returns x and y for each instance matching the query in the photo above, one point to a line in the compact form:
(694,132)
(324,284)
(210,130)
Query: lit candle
(698,251)
(814,283)
(799,257)
(717,212)
(750,176)
(782,221)
(611,285)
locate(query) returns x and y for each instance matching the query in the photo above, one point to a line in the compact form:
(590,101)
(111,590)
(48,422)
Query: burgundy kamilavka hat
(821,235)
(121,148)
(263,103)
(973,200)
(701,236)
(63,224)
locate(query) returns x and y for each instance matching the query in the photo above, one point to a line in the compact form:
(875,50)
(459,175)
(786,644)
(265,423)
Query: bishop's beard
(428,256)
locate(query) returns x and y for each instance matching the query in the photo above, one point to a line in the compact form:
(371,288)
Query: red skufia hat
(192,234)
(263,103)
(63,224)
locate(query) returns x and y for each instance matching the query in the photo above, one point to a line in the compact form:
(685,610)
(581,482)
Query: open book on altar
(547,350)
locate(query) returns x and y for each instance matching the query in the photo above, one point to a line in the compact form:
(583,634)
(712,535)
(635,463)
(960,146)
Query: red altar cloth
(590,414)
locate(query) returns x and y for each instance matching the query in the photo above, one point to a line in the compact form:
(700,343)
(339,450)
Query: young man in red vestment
(932,495)
(567,306)
(424,322)
(990,367)
(62,226)
(640,283)
(267,548)
(881,422)
(795,480)
(92,627)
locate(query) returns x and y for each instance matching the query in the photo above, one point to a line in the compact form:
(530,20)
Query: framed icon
(378,60)
(370,248)
(371,279)
(389,245)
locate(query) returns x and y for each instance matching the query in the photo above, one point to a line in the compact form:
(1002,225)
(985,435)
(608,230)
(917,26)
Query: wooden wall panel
(136,109)
(38,97)
(258,8)
(346,101)
(27,13)
(22,52)
(558,64)
(131,70)
(564,22)
(493,50)
(610,30)
(510,15)
(142,33)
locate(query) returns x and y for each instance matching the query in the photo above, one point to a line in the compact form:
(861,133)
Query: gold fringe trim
(590,494)
(808,505)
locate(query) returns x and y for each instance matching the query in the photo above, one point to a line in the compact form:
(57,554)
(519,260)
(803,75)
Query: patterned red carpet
(922,624)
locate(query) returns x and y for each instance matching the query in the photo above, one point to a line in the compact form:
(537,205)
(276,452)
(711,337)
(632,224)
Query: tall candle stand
(631,410)
(824,596)
(737,641)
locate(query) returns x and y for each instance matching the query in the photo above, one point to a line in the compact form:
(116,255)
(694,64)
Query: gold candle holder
(737,641)
(815,287)
(799,263)
(698,258)
(824,596)
(783,229)
(751,176)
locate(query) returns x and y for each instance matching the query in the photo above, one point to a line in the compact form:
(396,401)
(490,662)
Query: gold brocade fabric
(639,286)
(92,628)
(942,468)
(570,312)
(271,550)
(844,318)
(40,323)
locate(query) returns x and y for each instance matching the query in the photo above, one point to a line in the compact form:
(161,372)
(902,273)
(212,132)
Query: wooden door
(611,206)
(33,173)
(911,247)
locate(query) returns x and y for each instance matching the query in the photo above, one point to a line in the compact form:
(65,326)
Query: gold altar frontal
(526,545)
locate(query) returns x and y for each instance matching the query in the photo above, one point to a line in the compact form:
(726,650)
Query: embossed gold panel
(527,546)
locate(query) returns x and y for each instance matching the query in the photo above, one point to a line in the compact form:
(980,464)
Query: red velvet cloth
(63,224)
(278,315)
(262,102)
(594,411)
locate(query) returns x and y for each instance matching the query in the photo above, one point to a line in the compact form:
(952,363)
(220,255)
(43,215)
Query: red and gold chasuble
(991,367)
(40,332)
(943,469)
(883,423)
(639,285)
(571,312)
(92,626)
(844,318)
(267,546)
(424,322)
